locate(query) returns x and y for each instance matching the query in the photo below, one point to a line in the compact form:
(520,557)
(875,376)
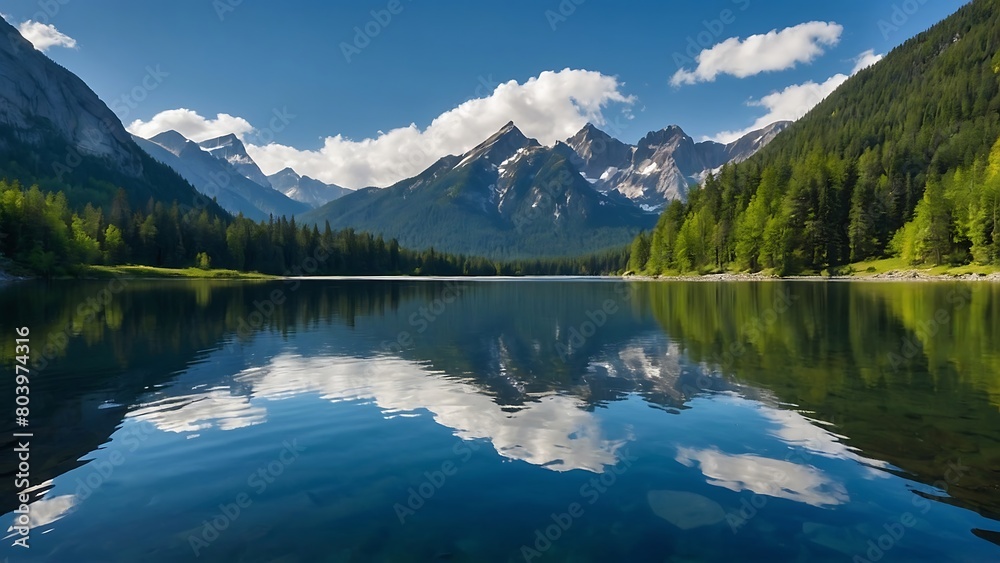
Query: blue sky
(255,60)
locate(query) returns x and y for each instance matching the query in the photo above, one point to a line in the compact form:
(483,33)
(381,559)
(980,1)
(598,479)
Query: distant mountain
(56,132)
(508,197)
(218,178)
(305,189)
(232,150)
(663,165)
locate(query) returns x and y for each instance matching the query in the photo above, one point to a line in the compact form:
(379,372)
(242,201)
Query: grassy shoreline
(889,269)
(151,272)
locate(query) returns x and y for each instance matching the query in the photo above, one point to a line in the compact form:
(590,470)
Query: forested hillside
(46,235)
(896,161)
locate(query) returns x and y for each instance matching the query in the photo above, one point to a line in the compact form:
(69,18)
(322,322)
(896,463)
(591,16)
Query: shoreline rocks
(895,275)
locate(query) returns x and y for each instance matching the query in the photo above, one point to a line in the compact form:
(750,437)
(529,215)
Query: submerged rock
(685,510)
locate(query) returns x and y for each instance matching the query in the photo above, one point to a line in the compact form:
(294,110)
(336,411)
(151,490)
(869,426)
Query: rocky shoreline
(5,277)
(900,275)
(917,275)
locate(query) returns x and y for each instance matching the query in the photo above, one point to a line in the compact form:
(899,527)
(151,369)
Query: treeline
(41,232)
(895,162)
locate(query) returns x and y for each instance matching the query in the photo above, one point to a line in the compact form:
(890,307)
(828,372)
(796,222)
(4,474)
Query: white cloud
(549,107)
(191,125)
(765,476)
(773,51)
(553,431)
(865,60)
(43,36)
(796,100)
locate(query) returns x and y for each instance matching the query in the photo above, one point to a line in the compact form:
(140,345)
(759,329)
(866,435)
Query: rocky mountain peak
(172,141)
(500,146)
(231,149)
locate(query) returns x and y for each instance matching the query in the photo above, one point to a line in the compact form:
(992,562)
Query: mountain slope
(663,165)
(904,143)
(748,145)
(508,197)
(56,132)
(216,177)
(305,189)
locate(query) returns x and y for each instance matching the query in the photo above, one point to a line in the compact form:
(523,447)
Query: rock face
(663,165)
(39,98)
(748,145)
(304,189)
(598,153)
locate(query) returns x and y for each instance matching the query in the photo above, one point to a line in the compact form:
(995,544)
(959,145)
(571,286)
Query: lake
(580,420)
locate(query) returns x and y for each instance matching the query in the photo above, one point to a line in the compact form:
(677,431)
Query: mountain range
(216,176)
(304,189)
(512,197)
(509,197)
(663,165)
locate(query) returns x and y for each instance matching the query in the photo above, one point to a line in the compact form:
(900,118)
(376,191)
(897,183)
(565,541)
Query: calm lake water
(529,420)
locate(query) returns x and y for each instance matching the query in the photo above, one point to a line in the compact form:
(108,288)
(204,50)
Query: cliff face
(39,98)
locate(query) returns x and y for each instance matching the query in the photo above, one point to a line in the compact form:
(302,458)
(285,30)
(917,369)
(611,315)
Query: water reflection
(815,409)
(216,408)
(765,476)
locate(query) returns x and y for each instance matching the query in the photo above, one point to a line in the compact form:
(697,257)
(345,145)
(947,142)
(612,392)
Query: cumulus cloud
(796,100)
(191,125)
(45,36)
(773,51)
(549,107)
(865,60)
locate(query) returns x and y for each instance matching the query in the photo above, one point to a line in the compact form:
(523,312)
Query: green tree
(114,246)
(640,253)
(203,261)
